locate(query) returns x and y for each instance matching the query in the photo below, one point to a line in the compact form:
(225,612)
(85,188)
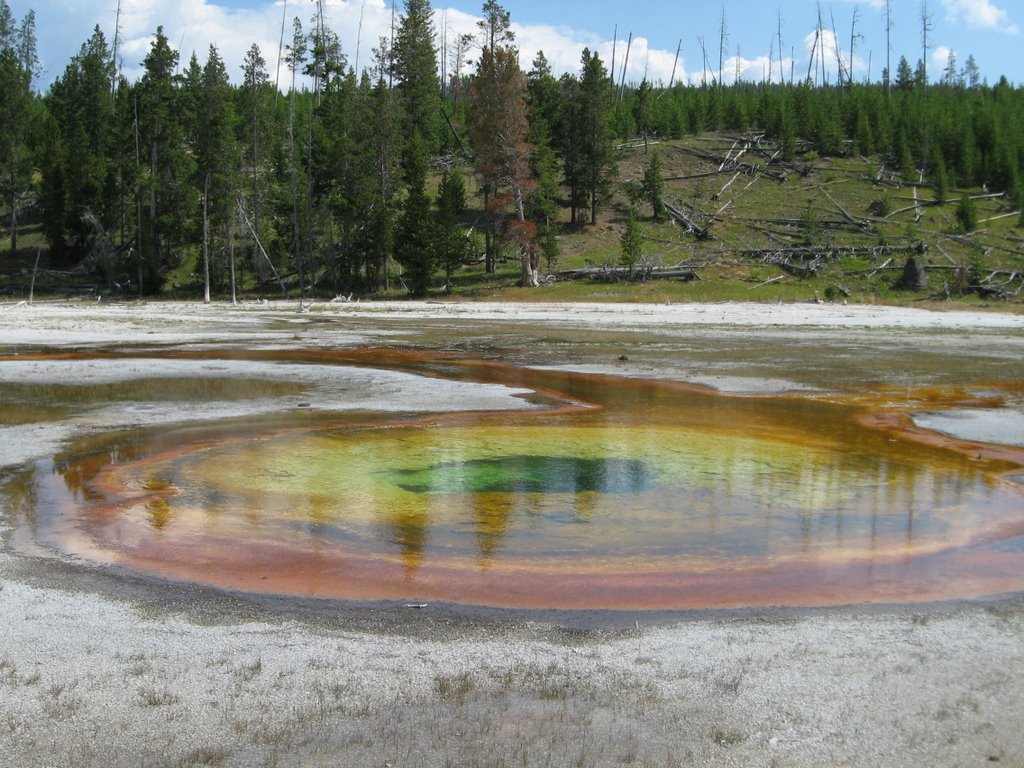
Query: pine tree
(451,239)
(373,184)
(631,242)
(642,111)
(545,101)
(951,75)
(84,164)
(215,151)
(415,72)
(570,127)
(904,75)
(254,107)
(498,129)
(415,236)
(653,186)
(167,164)
(967,214)
(971,74)
(939,177)
(16,113)
(598,164)
(296,57)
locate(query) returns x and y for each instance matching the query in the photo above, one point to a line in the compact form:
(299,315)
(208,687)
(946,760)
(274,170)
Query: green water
(529,474)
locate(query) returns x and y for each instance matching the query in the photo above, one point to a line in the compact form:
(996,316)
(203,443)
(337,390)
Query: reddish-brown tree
(498,126)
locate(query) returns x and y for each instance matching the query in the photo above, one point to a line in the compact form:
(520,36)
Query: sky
(990,30)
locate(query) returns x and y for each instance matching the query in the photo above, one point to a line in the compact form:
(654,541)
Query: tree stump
(914,277)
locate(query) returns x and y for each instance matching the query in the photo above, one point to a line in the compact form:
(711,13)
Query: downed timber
(692,176)
(691,225)
(810,253)
(724,166)
(846,214)
(624,273)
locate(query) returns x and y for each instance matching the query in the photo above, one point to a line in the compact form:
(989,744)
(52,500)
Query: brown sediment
(888,539)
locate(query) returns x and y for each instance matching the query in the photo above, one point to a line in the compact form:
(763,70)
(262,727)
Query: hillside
(746,227)
(763,230)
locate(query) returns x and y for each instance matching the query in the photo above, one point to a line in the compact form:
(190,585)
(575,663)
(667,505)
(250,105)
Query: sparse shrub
(157,697)
(967,214)
(810,227)
(835,292)
(205,756)
(880,207)
(249,671)
(454,687)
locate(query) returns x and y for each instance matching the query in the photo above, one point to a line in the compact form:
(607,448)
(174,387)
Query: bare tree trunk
(231,258)
(527,254)
(35,270)
(488,234)
(206,240)
(14,220)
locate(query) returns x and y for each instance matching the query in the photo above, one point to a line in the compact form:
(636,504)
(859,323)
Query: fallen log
(624,273)
(691,225)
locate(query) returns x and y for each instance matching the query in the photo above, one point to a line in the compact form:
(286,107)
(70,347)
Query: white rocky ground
(98,670)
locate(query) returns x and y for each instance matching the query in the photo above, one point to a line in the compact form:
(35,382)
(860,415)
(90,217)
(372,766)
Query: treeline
(341,183)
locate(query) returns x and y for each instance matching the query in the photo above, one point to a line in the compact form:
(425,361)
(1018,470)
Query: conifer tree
(415,72)
(904,75)
(16,113)
(375,181)
(971,74)
(83,164)
(631,242)
(498,129)
(254,107)
(598,164)
(215,151)
(451,239)
(415,236)
(939,177)
(967,214)
(642,111)
(653,186)
(167,164)
(296,57)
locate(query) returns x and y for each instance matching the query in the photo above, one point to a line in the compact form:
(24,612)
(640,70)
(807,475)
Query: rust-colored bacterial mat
(610,493)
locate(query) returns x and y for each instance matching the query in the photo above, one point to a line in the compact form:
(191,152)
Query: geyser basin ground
(102,671)
(609,492)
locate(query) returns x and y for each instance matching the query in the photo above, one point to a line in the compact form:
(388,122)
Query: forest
(396,178)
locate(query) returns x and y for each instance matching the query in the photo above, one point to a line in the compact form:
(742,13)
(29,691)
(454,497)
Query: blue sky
(991,30)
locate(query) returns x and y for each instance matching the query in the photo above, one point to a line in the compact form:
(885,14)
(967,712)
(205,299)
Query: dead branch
(721,192)
(768,282)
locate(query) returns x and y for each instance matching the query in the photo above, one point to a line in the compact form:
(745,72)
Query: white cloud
(940,56)
(825,48)
(876,4)
(980,14)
